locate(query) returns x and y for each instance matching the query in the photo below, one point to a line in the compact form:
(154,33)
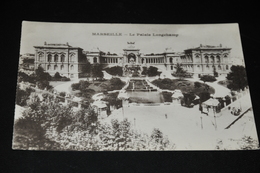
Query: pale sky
(80,35)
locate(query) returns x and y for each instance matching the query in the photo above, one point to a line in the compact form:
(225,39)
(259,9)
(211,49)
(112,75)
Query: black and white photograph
(132,87)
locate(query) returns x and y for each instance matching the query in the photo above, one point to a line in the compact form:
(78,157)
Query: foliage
(57,75)
(41,75)
(180,72)
(167,96)
(205,95)
(112,99)
(116,70)
(238,78)
(96,71)
(43,84)
(152,71)
(188,99)
(115,84)
(197,84)
(208,78)
(248,143)
(215,73)
(22,95)
(25,77)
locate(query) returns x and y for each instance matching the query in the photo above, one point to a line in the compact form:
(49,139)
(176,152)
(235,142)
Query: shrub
(197,84)
(57,75)
(75,86)
(208,78)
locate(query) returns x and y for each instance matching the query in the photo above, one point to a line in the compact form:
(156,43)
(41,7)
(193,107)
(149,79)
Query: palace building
(69,61)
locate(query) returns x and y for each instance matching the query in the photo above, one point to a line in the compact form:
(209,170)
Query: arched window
(206,59)
(219,67)
(61,67)
(72,57)
(212,59)
(218,59)
(56,58)
(62,58)
(171,60)
(142,60)
(71,76)
(49,57)
(48,67)
(171,67)
(207,66)
(55,67)
(41,57)
(95,60)
(71,67)
(226,67)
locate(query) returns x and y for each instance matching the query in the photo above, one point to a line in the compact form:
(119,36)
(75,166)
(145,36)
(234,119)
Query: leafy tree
(23,95)
(238,78)
(215,73)
(86,68)
(41,75)
(96,71)
(116,70)
(180,72)
(208,78)
(57,75)
(152,71)
(188,98)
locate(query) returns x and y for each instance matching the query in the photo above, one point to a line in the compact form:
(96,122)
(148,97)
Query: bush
(167,96)
(57,75)
(115,71)
(208,78)
(197,84)
(75,86)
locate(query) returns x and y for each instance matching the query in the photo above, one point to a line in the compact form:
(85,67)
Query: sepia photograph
(132,87)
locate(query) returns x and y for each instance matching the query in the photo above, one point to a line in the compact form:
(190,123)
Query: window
(206,59)
(41,57)
(219,67)
(48,67)
(226,67)
(170,60)
(212,59)
(55,67)
(71,67)
(49,58)
(95,60)
(171,67)
(62,58)
(218,59)
(61,67)
(72,57)
(56,58)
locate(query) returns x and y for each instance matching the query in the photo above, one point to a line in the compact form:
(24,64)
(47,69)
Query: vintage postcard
(132,87)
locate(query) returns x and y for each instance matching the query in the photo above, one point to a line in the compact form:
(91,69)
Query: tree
(180,72)
(152,71)
(115,71)
(86,68)
(238,78)
(215,73)
(97,71)
(57,75)
(208,78)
